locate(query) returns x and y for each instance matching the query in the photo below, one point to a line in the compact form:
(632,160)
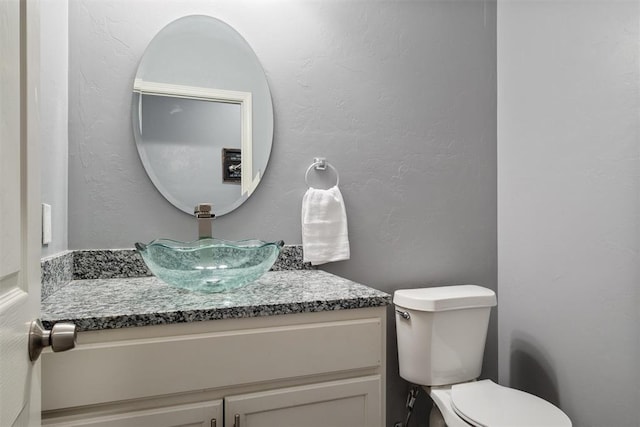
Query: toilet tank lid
(443,298)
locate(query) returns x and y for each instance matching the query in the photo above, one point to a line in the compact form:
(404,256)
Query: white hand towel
(324,226)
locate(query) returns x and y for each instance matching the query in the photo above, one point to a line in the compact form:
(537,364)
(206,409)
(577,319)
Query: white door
(19,211)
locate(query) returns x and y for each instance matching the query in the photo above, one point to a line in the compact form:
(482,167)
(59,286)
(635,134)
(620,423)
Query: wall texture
(54,102)
(569,205)
(399,96)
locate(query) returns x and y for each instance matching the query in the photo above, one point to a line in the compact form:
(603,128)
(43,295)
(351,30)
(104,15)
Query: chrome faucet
(204,216)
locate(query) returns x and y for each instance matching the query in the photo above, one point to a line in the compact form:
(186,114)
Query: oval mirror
(202,115)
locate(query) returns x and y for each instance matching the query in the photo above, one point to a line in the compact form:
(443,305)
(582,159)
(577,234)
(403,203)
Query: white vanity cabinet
(343,403)
(296,370)
(201,414)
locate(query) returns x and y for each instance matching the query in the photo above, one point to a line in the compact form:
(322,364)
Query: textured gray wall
(569,205)
(54,96)
(399,96)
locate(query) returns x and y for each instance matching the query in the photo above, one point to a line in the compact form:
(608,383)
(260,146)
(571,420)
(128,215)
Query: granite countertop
(96,304)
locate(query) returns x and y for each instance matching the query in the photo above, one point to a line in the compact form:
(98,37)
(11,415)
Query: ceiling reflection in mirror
(202,115)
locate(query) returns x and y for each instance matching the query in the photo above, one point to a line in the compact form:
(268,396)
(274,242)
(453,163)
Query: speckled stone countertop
(97,304)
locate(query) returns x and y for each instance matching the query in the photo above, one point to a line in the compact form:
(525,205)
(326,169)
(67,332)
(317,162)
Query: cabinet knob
(61,337)
(236,420)
(214,423)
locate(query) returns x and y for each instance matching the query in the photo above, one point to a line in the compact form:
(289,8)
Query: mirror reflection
(203,122)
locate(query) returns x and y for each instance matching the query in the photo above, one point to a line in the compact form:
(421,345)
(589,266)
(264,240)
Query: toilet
(441,337)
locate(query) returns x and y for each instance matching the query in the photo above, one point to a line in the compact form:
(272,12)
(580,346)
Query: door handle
(61,337)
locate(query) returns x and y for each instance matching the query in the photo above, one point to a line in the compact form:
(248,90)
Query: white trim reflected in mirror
(248,183)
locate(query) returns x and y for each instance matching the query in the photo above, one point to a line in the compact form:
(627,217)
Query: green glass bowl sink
(209,265)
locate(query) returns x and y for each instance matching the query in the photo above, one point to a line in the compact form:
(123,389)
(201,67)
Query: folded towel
(324,226)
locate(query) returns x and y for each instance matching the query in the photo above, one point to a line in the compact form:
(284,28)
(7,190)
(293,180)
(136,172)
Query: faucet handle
(203,210)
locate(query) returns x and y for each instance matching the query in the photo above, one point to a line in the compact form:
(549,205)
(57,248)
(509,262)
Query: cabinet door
(202,414)
(355,402)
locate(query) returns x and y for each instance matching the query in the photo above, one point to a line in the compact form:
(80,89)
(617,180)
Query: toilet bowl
(487,404)
(441,335)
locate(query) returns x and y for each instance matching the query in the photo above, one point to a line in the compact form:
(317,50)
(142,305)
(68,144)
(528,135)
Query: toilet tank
(442,332)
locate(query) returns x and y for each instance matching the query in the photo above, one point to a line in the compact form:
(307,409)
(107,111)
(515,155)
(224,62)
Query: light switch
(46,224)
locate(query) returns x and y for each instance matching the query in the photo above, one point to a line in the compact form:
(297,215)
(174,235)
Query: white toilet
(441,337)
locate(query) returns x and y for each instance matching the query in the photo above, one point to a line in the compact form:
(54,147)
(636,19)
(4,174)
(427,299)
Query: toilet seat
(487,404)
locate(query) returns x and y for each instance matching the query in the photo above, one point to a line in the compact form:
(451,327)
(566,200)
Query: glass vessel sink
(209,265)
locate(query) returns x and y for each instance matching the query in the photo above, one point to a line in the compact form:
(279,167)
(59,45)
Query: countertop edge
(307,296)
(189,316)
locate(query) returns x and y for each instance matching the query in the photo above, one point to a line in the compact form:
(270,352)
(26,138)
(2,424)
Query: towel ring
(320,164)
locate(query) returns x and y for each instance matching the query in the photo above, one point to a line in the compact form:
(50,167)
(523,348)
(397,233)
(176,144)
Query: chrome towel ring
(320,164)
